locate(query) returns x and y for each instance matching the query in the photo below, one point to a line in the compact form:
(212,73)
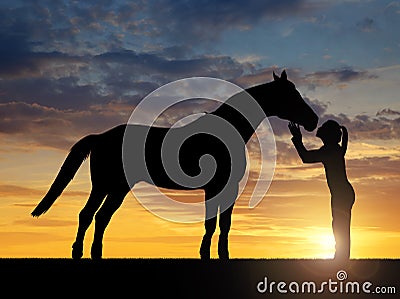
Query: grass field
(193,278)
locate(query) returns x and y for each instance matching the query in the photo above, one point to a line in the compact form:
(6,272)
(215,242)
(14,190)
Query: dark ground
(193,278)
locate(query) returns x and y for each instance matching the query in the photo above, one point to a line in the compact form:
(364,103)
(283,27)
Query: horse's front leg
(225,220)
(214,201)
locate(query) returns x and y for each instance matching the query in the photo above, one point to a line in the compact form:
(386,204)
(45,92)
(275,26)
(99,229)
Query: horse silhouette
(116,167)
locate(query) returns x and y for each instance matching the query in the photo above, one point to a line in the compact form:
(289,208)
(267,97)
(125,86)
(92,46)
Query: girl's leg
(341,219)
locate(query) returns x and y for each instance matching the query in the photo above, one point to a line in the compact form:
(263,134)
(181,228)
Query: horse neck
(243,113)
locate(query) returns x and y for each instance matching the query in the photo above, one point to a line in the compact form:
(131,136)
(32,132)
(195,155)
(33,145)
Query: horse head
(289,104)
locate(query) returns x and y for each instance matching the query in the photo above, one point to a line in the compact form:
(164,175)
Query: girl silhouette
(331,154)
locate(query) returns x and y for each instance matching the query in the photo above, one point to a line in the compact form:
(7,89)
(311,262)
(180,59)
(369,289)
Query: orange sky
(292,221)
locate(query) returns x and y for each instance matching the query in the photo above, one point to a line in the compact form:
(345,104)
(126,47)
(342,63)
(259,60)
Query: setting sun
(325,245)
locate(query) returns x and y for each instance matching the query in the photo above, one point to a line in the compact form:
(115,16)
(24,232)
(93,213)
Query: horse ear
(275,76)
(284,75)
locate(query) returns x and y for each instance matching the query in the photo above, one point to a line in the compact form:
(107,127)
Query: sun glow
(324,245)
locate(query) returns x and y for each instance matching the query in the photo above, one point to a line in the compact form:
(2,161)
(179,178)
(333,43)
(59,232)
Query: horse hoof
(96,252)
(223,252)
(223,256)
(205,249)
(77,251)
(96,257)
(205,257)
(204,253)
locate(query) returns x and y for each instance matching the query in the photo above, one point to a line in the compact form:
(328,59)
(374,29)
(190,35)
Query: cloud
(59,128)
(13,57)
(374,167)
(65,26)
(19,191)
(45,126)
(18,59)
(259,76)
(59,88)
(52,65)
(71,82)
(65,93)
(30,33)
(360,127)
(48,222)
(86,27)
(158,68)
(382,126)
(387,112)
(12,190)
(339,77)
(367,25)
(368,127)
(205,20)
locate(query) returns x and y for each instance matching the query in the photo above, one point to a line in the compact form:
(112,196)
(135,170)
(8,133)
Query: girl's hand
(295,130)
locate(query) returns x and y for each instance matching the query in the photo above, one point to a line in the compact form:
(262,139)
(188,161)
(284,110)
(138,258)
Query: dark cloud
(367,25)
(62,81)
(385,125)
(205,20)
(64,93)
(360,127)
(64,26)
(52,76)
(39,125)
(151,64)
(338,77)
(14,56)
(368,127)
(47,58)
(18,59)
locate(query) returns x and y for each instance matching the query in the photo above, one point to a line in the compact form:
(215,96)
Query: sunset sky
(71,68)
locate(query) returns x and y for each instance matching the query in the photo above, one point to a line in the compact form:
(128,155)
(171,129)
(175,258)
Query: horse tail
(78,153)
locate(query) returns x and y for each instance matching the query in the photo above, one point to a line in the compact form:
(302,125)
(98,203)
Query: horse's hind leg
(85,218)
(103,217)
(210,224)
